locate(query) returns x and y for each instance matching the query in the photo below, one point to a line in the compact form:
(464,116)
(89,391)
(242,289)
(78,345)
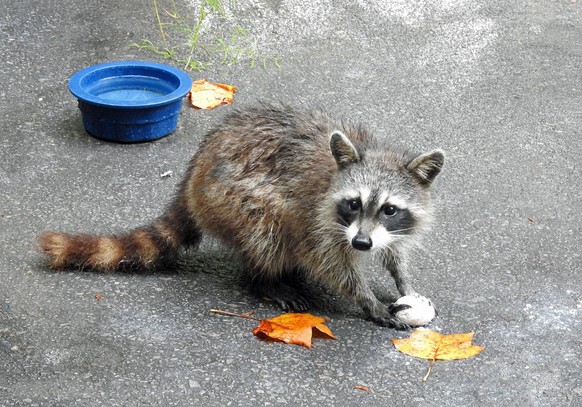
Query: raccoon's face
(382,196)
(374,218)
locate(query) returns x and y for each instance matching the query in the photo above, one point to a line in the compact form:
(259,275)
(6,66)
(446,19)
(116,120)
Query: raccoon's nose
(361,242)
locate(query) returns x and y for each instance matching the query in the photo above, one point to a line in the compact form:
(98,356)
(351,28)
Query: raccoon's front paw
(285,296)
(390,322)
(382,316)
(414,310)
(295,304)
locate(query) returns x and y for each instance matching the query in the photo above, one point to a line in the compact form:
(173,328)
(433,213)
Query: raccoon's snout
(362,242)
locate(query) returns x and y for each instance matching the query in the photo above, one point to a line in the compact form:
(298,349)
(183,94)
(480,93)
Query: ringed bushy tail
(139,248)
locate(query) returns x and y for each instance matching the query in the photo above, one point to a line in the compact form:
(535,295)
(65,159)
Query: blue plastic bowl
(130,101)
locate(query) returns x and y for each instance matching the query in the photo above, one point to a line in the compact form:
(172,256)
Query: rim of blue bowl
(78,90)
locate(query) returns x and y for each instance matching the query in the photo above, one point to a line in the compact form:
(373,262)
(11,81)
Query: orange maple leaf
(427,344)
(294,328)
(206,95)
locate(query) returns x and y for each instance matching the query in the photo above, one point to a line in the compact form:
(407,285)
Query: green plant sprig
(185,42)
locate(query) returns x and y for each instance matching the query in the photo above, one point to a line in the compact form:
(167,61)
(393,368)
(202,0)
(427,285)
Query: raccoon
(292,192)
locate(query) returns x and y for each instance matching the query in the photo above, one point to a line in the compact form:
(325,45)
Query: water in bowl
(131,95)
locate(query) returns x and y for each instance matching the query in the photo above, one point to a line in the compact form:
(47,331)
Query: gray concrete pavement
(498,85)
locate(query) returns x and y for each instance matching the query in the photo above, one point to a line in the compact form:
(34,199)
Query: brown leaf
(363,388)
(294,328)
(206,95)
(426,344)
(98,297)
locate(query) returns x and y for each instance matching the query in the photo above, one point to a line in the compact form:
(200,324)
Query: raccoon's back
(258,179)
(267,145)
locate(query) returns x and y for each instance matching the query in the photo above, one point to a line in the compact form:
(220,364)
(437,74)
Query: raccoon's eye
(354,204)
(389,210)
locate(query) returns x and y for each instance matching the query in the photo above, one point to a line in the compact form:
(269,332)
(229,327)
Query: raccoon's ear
(343,150)
(427,166)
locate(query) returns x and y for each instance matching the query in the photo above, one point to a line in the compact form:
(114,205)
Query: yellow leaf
(294,328)
(206,95)
(426,344)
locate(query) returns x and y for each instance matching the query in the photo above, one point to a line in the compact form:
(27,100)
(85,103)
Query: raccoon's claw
(381,315)
(298,304)
(415,310)
(285,296)
(393,309)
(391,322)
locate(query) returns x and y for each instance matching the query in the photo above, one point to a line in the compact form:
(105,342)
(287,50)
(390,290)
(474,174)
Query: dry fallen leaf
(427,344)
(98,297)
(206,95)
(293,328)
(363,388)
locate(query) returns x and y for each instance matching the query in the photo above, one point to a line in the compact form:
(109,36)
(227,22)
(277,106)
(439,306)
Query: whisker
(397,231)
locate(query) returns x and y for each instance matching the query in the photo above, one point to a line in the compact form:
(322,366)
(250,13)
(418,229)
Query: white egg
(420,313)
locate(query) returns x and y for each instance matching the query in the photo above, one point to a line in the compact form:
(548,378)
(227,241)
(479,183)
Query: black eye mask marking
(347,211)
(396,219)
(392,217)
